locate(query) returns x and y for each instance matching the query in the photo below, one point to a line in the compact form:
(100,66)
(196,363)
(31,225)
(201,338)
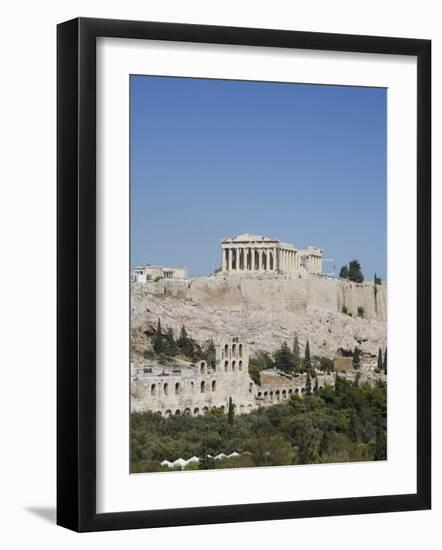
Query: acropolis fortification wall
(295,293)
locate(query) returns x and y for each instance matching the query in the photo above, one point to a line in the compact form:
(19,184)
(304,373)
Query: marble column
(224,259)
(259,259)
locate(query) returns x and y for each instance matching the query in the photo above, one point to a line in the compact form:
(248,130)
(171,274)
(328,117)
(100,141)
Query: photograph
(258,274)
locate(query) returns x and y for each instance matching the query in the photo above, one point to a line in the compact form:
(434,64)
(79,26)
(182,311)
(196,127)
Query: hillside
(264,312)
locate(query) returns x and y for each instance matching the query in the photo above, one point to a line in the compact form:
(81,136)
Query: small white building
(154,272)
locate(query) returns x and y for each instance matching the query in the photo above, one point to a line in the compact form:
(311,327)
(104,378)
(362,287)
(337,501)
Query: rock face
(264,312)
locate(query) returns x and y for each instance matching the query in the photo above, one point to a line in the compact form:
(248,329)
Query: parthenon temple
(254,253)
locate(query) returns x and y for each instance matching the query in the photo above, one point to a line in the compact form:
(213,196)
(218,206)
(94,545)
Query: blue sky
(214,158)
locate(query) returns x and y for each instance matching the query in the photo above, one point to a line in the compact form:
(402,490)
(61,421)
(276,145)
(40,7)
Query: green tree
(185,343)
(272,451)
(316,386)
(343,274)
(296,349)
(353,426)
(380,364)
(377,280)
(258,363)
(211,353)
(296,354)
(308,438)
(307,359)
(360,311)
(284,360)
(231,412)
(158,344)
(354,272)
(385,361)
(308,385)
(170,346)
(356,358)
(326,364)
(255,374)
(380,451)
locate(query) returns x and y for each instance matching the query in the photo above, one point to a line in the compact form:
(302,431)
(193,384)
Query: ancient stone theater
(193,389)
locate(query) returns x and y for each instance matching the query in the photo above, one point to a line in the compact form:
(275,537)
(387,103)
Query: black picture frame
(76,274)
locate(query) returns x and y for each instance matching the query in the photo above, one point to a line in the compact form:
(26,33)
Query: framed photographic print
(243,241)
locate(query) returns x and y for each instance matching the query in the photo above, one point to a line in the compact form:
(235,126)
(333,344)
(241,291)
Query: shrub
(326,364)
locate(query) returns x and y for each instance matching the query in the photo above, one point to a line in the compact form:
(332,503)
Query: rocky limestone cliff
(264,312)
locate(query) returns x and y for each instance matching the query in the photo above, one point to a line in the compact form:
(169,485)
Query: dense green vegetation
(352,272)
(165,347)
(289,361)
(345,423)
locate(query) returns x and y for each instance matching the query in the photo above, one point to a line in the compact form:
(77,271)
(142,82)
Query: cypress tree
(183,334)
(380,366)
(158,340)
(316,386)
(308,385)
(296,349)
(307,360)
(231,412)
(385,361)
(185,343)
(211,354)
(171,347)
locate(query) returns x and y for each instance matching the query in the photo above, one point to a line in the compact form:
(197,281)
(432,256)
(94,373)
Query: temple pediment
(248,237)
